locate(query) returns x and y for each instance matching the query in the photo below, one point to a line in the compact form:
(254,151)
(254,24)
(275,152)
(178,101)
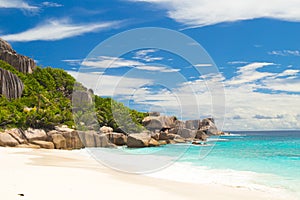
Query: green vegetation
(46,102)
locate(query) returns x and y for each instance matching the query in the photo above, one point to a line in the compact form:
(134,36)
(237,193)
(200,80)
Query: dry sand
(39,174)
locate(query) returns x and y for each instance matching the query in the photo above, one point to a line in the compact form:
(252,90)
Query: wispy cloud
(197,13)
(249,73)
(58,29)
(237,62)
(156,68)
(18,4)
(285,53)
(144,55)
(105,62)
(51,4)
(203,65)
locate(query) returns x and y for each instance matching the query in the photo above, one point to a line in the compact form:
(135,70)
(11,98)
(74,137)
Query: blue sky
(254,44)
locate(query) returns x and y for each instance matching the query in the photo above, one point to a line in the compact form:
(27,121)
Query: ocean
(266,160)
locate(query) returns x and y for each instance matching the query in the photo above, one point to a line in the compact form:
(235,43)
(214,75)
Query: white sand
(68,175)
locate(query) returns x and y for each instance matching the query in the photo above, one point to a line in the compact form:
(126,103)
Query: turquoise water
(274,153)
(265,161)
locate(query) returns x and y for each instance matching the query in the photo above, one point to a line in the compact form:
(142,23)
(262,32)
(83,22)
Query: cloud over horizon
(247,108)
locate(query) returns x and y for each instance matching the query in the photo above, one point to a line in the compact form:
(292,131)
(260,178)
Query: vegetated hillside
(46,101)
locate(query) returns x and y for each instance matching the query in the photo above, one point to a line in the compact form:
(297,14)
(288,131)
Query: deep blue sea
(267,161)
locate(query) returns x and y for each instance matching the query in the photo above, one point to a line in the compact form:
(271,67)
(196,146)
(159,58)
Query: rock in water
(22,63)
(11,85)
(208,126)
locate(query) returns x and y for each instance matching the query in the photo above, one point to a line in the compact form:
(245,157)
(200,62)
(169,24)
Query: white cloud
(107,85)
(57,30)
(285,53)
(144,55)
(156,68)
(105,62)
(51,4)
(17,4)
(208,12)
(288,72)
(249,73)
(203,65)
(283,84)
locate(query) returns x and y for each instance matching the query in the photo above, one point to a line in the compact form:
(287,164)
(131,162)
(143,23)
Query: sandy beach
(36,174)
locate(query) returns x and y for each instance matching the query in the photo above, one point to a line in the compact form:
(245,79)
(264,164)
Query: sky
(246,71)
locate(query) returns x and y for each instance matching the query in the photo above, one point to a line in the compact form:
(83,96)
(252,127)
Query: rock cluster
(60,138)
(166,130)
(161,130)
(22,63)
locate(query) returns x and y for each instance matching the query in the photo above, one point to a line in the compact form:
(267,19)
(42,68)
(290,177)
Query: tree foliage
(46,102)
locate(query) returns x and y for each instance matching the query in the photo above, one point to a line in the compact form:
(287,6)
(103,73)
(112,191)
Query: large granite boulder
(153,143)
(163,136)
(159,122)
(35,134)
(59,141)
(106,129)
(137,140)
(117,138)
(93,139)
(201,135)
(73,140)
(167,136)
(155,135)
(7,140)
(208,126)
(17,135)
(179,139)
(192,124)
(11,85)
(187,133)
(43,144)
(21,63)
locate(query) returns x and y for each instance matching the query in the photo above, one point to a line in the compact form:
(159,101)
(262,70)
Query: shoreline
(59,174)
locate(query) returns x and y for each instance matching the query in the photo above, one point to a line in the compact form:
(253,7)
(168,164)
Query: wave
(188,173)
(235,135)
(217,140)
